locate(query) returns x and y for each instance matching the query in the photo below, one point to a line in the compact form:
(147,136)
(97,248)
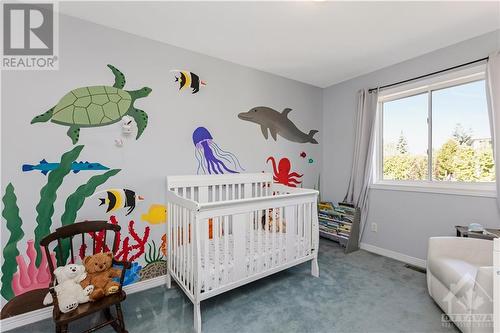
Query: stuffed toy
(100,274)
(271,221)
(68,289)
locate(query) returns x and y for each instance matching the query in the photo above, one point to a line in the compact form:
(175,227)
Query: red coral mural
(163,246)
(132,247)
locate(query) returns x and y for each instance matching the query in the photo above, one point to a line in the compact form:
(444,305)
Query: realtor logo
(29,36)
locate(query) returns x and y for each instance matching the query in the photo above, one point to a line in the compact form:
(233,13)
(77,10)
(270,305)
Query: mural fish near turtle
(45,167)
(277,123)
(188,79)
(115,199)
(97,106)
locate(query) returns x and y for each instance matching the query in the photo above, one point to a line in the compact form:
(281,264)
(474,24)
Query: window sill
(474,190)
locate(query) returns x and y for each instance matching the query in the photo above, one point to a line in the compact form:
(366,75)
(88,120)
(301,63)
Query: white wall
(405,219)
(166,146)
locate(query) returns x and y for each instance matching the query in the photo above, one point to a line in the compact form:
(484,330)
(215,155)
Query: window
(436,133)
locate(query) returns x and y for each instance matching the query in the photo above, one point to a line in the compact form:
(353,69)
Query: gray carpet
(358,292)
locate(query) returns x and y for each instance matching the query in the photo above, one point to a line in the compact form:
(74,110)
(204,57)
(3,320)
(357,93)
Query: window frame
(434,83)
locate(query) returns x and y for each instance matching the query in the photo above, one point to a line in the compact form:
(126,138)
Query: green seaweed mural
(10,213)
(45,211)
(48,196)
(75,202)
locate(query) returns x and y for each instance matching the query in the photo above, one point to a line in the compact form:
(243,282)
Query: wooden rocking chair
(62,320)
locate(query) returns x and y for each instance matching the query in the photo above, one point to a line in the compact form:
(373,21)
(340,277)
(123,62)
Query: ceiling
(317,42)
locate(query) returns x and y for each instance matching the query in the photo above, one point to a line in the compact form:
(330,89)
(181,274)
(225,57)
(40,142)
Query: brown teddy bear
(100,274)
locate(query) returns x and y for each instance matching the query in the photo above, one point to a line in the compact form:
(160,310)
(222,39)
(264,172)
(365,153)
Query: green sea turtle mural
(97,106)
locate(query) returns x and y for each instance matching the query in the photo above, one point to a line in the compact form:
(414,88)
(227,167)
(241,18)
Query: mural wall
(77,143)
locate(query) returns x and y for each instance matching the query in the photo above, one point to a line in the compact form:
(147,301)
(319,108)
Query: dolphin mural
(277,123)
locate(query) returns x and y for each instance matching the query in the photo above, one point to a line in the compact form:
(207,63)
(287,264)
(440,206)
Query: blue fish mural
(45,167)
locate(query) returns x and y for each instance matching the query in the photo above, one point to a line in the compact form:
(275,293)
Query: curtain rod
(426,75)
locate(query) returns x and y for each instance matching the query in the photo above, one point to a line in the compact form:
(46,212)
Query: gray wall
(405,219)
(166,147)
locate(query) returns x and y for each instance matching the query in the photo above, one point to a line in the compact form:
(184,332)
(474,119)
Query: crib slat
(303,229)
(194,261)
(171,241)
(267,239)
(239,223)
(181,243)
(280,235)
(290,232)
(261,243)
(203,194)
(185,245)
(178,240)
(251,250)
(247,190)
(306,229)
(275,236)
(225,230)
(206,253)
(180,233)
(307,226)
(297,231)
(188,249)
(215,236)
(197,250)
(175,241)
(168,236)
(72,259)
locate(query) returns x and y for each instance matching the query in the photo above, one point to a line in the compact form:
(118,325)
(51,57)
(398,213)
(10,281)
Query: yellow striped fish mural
(188,79)
(115,199)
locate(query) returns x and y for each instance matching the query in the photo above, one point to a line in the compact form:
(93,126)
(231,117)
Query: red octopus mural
(282,174)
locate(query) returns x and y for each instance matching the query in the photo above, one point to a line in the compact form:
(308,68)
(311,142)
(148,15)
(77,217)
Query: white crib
(225,231)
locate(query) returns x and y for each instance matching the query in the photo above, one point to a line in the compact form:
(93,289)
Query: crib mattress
(268,256)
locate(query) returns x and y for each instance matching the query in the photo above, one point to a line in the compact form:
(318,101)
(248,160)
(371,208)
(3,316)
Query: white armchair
(460,280)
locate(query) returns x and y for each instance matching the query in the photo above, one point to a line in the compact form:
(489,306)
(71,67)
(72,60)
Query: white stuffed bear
(68,289)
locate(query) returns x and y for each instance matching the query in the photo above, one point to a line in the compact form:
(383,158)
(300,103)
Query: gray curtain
(362,161)
(493,94)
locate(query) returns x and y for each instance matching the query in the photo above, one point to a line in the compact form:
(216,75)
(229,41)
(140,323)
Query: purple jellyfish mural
(211,158)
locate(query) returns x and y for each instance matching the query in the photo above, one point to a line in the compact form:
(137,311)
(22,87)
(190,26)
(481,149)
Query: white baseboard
(394,255)
(44,313)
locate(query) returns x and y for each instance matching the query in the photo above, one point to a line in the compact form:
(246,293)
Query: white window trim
(468,189)
(458,77)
